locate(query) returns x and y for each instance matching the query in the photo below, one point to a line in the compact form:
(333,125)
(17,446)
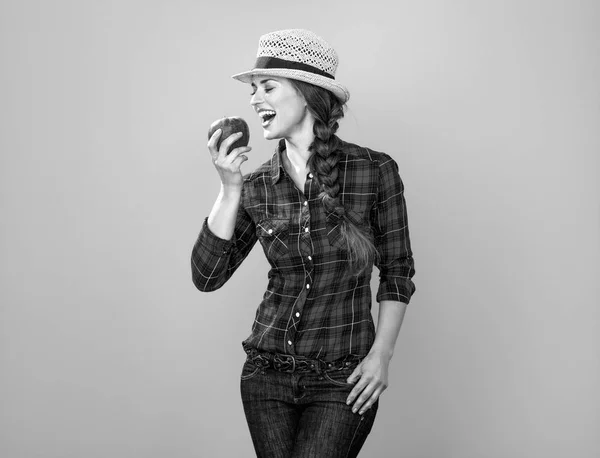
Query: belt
(288,363)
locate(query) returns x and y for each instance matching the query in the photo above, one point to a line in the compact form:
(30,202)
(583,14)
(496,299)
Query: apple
(231,125)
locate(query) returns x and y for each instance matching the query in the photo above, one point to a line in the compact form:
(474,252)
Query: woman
(325,211)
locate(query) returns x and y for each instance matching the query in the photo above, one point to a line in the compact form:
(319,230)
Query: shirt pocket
(334,233)
(334,228)
(274,237)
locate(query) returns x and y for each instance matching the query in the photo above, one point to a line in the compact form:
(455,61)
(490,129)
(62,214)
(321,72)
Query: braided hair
(323,163)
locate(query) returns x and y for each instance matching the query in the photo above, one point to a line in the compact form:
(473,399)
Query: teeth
(264,113)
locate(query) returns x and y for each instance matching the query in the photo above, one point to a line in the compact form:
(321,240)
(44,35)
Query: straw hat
(297,54)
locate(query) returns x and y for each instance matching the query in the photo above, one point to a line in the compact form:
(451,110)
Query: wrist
(230,192)
(382,351)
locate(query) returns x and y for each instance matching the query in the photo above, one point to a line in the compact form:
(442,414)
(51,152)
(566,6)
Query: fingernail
(361,412)
(354,410)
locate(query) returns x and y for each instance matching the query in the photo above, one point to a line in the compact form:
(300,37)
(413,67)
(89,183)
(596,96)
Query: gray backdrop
(492,110)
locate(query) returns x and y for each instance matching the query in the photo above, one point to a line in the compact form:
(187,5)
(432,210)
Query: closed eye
(267,88)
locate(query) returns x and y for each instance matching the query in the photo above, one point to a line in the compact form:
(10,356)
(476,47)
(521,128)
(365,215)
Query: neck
(297,143)
(297,153)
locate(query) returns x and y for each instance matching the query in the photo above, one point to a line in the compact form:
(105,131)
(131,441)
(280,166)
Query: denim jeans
(302,414)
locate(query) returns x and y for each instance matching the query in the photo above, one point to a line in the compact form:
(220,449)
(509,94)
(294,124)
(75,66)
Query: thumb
(355,375)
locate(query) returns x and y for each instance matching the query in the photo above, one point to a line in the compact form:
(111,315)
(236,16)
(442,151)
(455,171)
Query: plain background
(492,110)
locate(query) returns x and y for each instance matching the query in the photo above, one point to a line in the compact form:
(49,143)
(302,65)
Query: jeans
(302,414)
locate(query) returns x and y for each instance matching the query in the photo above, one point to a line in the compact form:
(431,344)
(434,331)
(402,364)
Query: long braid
(327,110)
(324,165)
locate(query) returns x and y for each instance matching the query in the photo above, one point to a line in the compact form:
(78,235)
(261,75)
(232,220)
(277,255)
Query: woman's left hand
(371,378)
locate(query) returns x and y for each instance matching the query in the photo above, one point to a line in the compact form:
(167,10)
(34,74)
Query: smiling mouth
(266,116)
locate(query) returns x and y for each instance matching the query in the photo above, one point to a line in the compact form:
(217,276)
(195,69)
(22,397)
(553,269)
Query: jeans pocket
(249,370)
(338,377)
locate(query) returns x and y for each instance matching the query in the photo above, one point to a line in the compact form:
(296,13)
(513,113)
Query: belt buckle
(284,360)
(293,361)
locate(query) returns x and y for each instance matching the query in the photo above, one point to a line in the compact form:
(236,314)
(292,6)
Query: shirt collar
(276,162)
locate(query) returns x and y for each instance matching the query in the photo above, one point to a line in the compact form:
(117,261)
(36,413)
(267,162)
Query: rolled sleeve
(214,260)
(395,263)
(212,243)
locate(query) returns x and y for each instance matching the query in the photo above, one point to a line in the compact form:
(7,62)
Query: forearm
(391,316)
(222,217)
(218,253)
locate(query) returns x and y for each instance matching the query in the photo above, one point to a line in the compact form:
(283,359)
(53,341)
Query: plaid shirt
(312,306)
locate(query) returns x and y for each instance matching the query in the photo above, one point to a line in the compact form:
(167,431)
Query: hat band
(274,62)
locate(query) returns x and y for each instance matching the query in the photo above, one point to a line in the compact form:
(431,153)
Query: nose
(255,99)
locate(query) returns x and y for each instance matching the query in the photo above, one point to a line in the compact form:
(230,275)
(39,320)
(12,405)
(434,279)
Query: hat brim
(326,83)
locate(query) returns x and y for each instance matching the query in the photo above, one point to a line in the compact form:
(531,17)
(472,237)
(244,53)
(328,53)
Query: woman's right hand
(228,165)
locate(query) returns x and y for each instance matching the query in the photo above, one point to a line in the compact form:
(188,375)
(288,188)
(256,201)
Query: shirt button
(306,229)
(305,203)
(270,231)
(297,314)
(307,286)
(310,258)
(289,342)
(310,175)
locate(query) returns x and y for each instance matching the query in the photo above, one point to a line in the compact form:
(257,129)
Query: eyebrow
(263,81)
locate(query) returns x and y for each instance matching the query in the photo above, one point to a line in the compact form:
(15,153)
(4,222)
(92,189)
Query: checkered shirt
(313,306)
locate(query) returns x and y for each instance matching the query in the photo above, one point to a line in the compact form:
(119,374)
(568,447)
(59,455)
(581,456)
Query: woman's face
(282,109)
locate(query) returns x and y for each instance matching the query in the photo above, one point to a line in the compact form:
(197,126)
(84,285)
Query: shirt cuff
(214,244)
(396,289)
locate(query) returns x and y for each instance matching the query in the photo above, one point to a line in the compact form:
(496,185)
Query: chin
(269,135)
